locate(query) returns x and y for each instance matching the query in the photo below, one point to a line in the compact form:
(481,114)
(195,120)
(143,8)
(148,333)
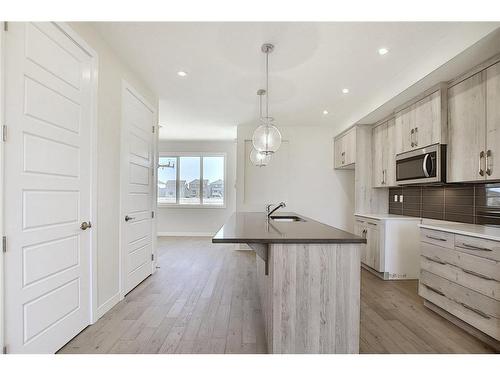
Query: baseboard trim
(184,234)
(106,306)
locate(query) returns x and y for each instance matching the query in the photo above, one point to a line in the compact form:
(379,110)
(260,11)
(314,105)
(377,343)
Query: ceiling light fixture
(267,138)
(382,51)
(182,73)
(345,91)
(325,112)
(258,158)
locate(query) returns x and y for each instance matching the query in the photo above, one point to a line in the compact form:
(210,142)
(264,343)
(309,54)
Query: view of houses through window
(191,180)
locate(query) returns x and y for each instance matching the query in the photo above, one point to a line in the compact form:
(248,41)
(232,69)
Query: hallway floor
(203,299)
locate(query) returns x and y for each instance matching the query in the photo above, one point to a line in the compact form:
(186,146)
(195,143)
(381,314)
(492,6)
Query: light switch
(395,197)
(401,198)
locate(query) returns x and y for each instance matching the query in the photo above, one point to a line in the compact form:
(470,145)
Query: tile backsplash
(471,203)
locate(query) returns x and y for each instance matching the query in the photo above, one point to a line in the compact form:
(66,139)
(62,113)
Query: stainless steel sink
(287,218)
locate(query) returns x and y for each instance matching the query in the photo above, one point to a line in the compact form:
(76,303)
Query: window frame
(201,155)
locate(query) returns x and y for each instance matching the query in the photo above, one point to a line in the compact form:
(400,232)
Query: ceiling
(311,64)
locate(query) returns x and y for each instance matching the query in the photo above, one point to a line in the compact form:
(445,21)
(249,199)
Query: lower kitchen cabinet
(391,249)
(460,278)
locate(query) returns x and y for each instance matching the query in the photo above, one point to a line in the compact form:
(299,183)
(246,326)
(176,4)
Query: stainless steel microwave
(426,165)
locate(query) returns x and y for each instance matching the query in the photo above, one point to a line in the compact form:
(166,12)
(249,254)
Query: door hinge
(4,133)
(4,244)
(152,214)
(152,257)
(4,351)
(153,129)
(5,26)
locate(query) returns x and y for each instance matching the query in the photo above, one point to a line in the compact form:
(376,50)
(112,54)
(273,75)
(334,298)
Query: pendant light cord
(267,87)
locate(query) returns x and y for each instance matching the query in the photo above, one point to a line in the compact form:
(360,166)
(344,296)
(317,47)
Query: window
(191,180)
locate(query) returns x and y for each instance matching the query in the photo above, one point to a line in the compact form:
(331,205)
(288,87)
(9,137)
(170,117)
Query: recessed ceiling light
(345,91)
(325,112)
(182,73)
(382,51)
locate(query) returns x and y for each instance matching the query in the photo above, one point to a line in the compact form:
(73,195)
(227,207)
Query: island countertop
(254,227)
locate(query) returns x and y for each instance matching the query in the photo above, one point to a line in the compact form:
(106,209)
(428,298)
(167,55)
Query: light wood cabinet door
(427,120)
(350,146)
(389,147)
(493,122)
(404,123)
(378,135)
(372,246)
(359,230)
(338,152)
(467,129)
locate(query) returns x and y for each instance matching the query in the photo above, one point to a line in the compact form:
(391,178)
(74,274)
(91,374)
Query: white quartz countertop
(473,230)
(388,217)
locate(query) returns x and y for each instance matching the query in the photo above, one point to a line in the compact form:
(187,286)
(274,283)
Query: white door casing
(137,188)
(50,83)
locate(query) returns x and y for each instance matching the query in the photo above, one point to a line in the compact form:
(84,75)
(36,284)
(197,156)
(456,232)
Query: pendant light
(267,138)
(258,158)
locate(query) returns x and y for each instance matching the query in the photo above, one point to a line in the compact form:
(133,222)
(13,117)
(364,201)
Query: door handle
(128,218)
(411,137)
(85,225)
(416,136)
(488,169)
(481,156)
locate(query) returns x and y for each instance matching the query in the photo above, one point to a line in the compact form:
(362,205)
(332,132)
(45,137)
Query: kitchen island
(309,280)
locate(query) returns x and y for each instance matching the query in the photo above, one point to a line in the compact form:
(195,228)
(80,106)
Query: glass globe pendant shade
(259,159)
(266,139)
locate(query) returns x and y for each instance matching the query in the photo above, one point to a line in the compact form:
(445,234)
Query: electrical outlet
(401,198)
(395,197)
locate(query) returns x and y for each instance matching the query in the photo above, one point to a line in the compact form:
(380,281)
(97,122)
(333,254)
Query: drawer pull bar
(476,274)
(434,290)
(471,247)
(434,259)
(478,312)
(436,238)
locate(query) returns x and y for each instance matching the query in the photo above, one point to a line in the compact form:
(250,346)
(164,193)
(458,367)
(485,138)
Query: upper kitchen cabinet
(474,127)
(466,129)
(345,149)
(493,122)
(384,154)
(422,122)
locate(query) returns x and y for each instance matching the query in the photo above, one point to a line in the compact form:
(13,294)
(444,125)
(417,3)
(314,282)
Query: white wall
(110,75)
(199,221)
(313,188)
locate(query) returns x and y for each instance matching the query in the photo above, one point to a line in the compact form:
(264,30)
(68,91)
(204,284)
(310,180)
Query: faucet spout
(270,212)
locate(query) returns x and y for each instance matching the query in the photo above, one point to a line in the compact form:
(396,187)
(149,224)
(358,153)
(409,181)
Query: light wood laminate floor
(204,299)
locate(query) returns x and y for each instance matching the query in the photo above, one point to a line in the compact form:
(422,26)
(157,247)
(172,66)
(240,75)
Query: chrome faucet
(270,212)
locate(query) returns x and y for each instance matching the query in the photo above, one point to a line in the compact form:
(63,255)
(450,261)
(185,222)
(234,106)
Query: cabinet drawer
(481,267)
(478,246)
(472,307)
(461,276)
(436,237)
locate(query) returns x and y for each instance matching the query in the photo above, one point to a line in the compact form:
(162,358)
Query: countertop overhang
(254,227)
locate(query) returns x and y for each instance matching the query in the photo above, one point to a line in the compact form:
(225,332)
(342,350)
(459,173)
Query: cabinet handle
(434,260)
(476,274)
(411,137)
(486,166)
(416,136)
(434,290)
(436,238)
(372,223)
(471,247)
(481,156)
(478,312)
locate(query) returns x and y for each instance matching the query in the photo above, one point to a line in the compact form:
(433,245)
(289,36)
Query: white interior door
(137,176)
(47,188)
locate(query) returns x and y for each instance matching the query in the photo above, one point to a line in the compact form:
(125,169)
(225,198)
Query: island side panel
(315,298)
